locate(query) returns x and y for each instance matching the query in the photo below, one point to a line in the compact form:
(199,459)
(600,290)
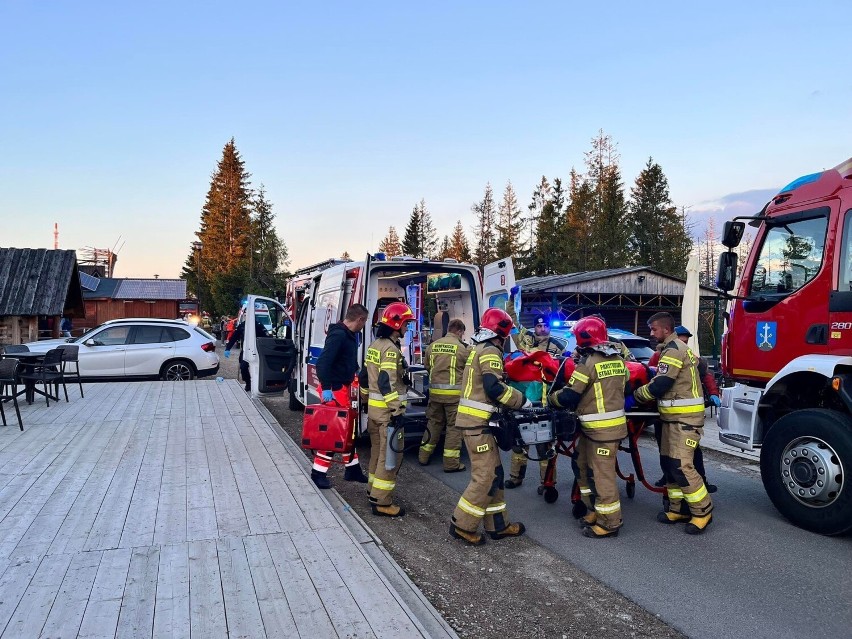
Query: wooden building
(625,297)
(113,298)
(37,287)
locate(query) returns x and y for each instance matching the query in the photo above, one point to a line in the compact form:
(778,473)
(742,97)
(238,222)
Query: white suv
(171,350)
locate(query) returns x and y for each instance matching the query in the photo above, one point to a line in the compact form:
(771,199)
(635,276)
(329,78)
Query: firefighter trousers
(482,500)
(599,458)
(382,481)
(518,469)
(439,417)
(677,449)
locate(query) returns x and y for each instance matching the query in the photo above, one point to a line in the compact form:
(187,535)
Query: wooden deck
(172,509)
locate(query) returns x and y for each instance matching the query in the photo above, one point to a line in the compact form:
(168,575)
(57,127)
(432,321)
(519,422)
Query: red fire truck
(788,348)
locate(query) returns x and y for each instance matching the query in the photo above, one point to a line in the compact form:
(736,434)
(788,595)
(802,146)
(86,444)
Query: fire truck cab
(788,348)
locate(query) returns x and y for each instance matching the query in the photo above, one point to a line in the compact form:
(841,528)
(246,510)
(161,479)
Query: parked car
(639,346)
(139,348)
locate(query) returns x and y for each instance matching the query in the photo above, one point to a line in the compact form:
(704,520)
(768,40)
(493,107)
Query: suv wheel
(178,370)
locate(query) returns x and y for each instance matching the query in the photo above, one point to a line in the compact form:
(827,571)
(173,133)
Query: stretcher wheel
(551,494)
(631,489)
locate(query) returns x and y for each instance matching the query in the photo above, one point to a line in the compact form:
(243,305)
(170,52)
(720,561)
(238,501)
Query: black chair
(49,373)
(11,349)
(8,370)
(71,355)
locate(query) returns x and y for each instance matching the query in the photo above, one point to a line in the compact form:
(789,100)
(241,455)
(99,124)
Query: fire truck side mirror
(726,274)
(732,234)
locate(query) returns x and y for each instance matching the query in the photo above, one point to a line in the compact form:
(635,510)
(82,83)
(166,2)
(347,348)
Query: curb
(421,612)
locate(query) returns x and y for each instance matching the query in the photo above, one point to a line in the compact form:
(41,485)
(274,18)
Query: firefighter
(382,379)
(595,391)
(536,340)
(483,390)
(680,401)
(445,360)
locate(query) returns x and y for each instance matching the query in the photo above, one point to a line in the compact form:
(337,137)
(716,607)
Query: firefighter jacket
(676,387)
(527,341)
(483,389)
(445,360)
(381,380)
(595,391)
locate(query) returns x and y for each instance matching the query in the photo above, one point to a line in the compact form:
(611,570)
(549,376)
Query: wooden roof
(634,280)
(39,282)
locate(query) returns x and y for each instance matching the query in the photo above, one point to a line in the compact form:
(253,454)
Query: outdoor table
(29,362)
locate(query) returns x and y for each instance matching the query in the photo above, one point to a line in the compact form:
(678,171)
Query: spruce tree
(577,224)
(659,238)
(390,245)
(610,223)
(486,228)
(269,253)
(510,225)
(444,251)
(421,239)
(459,248)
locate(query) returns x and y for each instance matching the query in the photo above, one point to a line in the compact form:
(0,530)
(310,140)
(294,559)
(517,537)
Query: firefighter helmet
(590,331)
(495,323)
(396,315)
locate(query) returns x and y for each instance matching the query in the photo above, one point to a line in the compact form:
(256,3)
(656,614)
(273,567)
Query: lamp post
(196,248)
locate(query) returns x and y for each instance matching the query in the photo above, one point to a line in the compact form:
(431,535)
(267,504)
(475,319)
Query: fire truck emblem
(766,335)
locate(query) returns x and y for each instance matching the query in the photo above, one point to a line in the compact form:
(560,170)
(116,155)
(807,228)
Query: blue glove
(514,290)
(629,402)
(227,354)
(716,401)
(327,396)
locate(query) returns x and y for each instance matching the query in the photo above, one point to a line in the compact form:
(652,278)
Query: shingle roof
(544,282)
(38,282)
(159,289)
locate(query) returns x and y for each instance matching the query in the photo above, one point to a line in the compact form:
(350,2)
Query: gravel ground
(504,589)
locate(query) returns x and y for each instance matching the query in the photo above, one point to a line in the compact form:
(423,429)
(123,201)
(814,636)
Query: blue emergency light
(555,323)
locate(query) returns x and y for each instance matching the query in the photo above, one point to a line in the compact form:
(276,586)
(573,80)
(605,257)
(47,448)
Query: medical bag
(328,427)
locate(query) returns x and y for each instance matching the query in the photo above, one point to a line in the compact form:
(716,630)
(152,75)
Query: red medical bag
(328,427)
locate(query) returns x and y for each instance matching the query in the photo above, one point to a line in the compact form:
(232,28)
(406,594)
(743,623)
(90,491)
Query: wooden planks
(169,510)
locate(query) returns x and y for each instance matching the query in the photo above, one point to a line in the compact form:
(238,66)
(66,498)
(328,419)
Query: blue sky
(113,115)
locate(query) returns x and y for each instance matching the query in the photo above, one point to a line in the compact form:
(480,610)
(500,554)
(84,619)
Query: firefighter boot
(354,473)
(460,468)
(697,525)
(588,519)
(599,532)
(668,517)
(474,539)
(388,511)
(320,479)
(514,482)
(512,530)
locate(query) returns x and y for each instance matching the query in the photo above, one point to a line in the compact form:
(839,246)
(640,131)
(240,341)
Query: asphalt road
(751,575)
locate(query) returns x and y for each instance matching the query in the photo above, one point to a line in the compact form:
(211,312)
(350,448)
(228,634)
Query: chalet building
(114,298)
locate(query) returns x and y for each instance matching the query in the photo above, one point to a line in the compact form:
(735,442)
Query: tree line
(238,249)
(584,223)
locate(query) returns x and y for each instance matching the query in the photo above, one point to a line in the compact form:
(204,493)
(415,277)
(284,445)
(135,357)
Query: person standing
(529,341)
(337,366)
(483,392)
(595,391)
(677,390)
(238,335)
(711,390)
(65,327)
(382,379)
(445,360)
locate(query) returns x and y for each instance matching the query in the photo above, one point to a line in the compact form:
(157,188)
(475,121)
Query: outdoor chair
(8,370)
(70,355)
(11,349)
(49,373)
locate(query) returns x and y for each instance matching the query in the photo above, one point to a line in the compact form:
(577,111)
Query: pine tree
(658,236)
(421,239)
(459,248)
(390,245)
(577,225)
(485,230)
(510,225)
(269,253)
(444,251)
(540,197)
(610,221)
(345,256)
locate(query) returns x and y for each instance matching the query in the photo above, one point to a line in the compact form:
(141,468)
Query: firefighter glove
(327,396)
(227,354)
(716,401)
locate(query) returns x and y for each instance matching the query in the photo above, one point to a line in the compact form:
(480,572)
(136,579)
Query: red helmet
(497,321)
(590,331)
(396,315)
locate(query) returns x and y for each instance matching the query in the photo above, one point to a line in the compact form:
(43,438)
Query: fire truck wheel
(805,457)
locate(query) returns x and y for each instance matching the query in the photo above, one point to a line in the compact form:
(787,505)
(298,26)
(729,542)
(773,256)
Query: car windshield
(640,348)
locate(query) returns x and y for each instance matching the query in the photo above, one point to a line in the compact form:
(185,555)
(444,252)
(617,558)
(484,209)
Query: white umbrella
(691,299)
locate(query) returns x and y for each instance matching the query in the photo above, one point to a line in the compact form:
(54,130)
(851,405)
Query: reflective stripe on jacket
(684,401)
(386,391)
(475,406)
